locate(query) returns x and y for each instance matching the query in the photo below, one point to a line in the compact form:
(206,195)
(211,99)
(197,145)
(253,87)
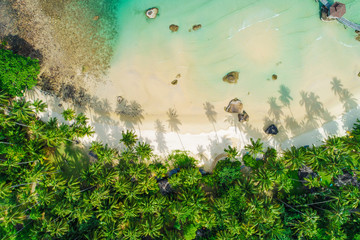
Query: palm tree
(255,147)
(315,158)
(265,179)
(132,233)
(232,152)
(143,150)
(129,138)
(69,114)
(39,106)
(108,211)
(306,227)
(295,157)
(151,226)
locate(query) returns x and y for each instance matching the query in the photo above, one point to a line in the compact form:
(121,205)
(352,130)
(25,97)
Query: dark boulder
(174,171)
(234,106)
(272,130)
(346,179)
(203,172)
(165,187)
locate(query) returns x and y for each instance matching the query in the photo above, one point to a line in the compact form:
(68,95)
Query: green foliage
(17,73)
(226,171)
(50,190)
(181,159)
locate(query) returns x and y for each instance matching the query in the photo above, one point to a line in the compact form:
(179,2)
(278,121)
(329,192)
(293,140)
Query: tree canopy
(17,73)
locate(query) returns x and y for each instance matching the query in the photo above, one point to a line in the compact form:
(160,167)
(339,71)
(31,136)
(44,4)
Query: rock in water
(272,130)
(174,28)
(174,82)
(152,12)
(196,27)
(235,106)
(243,117)
(274,77)
(359,74)
(231,77)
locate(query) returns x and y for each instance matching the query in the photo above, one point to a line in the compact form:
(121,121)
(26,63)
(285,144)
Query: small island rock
(174,82)
(152,12)
(231,77)
(235,106)
(272,130)
(243,117)
(274,77)
(196,27)
(174,28)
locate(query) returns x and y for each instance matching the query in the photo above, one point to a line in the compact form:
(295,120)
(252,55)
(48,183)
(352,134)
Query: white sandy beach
(316,93)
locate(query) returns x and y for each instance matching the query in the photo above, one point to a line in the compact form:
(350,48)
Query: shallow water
(256,38)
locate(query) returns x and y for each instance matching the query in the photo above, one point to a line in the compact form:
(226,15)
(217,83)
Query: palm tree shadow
(174,122)
(160,137)
(345,96)
(210,112)
(216,149)
(285,97)
(131,113)
(275,110)
(315,112)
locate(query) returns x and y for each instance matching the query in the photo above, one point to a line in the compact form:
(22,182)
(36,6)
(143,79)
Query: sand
(316,92)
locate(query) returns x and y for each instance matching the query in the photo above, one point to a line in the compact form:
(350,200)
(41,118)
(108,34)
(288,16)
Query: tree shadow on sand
(174,122)
(275,110)
(160,136)
(285,97)
(345,96)
(131,113)
(210,114)
(315,113)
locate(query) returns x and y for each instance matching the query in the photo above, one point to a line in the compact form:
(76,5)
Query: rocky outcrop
(243,117)
(174,28)
(152,12)
(272,130)
(346,179)
(235,106)
(164,187)
(231,77)
(196,27)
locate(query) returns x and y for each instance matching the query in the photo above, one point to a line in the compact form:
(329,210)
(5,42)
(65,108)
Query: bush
(226,172)
(17,73)
(181,159)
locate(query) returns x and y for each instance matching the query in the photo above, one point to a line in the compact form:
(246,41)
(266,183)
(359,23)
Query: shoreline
(207,147)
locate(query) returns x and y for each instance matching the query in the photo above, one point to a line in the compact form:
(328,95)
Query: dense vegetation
(17,73)
(131,194)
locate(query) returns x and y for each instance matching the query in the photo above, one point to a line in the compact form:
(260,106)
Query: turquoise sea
(258,38)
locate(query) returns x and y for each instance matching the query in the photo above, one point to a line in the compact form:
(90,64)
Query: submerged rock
(174,82)
(243,117)
(235,106)
(152,12)
(174,28)
(196,27)
(272,130)
(274,77)
(231,77)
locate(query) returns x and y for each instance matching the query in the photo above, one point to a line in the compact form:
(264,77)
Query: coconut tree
(151,226)
(294,157)
(265,179)
(108,210)
(39,106)
(255,147)
(129,138)
(143,150)
(232,152)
